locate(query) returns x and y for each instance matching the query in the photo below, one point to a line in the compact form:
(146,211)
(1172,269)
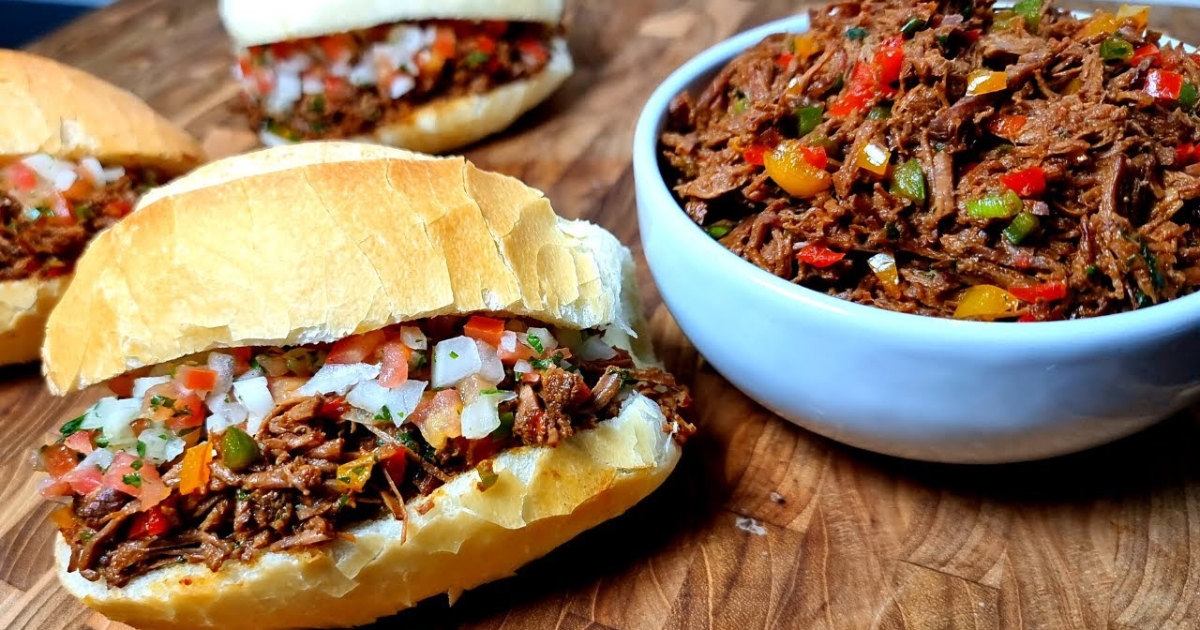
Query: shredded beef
(1117,224)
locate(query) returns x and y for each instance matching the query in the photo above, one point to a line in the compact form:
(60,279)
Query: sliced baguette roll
(70,114)
(312,243)
(254,22)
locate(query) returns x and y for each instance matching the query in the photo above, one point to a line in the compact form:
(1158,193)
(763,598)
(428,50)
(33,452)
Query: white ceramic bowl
(906,385)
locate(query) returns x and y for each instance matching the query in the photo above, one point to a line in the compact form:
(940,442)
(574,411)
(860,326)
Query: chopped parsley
(384,414)
(856,33)
(243,495)
(134,480)
(137,464)
(158,402)
(490,391)
(141,448)
(535,342)
(453,354)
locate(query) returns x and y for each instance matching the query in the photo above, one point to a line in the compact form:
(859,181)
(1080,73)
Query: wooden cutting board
(763,525)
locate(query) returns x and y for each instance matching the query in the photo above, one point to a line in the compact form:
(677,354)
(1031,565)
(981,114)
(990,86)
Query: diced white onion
(42,164)
(335,378)
(340,68)
(312,85)
(363,73)
(154,444)
(412,337)
(594,349)
(523,366)
(223,365)
(223,413)
(455,359)
(400,401)
(256,397)
(113,173)
(482,416)
(175,447)
(288,90)
(63,180)
(112,416)
(402,84)
(547,340)
(295,64)
(92,166)
(101,458)
(508,341)
(491,369)
(143,385)
(272,139)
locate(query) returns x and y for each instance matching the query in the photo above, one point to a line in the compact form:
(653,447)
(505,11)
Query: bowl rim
(1164,319)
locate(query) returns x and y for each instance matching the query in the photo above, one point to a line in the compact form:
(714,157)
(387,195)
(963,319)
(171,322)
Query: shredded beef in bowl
(954,159)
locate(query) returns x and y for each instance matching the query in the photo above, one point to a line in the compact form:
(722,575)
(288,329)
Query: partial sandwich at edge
(75,152)
(424,75)
(346,378)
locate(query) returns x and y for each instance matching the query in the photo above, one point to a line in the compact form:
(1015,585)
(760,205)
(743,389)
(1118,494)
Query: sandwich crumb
(750,525)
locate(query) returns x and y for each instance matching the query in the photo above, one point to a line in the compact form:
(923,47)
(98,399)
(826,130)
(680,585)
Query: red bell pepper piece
(485,329)
(1030,182)
(889,59)
(1007,126)
(815,156)
(1164,84)
(334,407)
(1149,51)
(859,92)
(152,522)
(785,59)
(1185,154)
(818,255)
(1046,291)
(754,153)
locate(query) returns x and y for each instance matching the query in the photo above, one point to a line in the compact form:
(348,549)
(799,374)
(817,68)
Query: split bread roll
(437,123)
(315,242)
(69,114)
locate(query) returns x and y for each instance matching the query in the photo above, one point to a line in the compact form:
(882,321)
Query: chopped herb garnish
(158,402)
(856,33)
(384,415)
(477,58)
(134,480)
(718,231)
(87,535)
(343,501)
(345,480)
(453,354)
(490,391)
(137,464)
(1090,270)
(141,448)
(318,104)
(242,495)
(535,343)
(102,441)
(912,26)
(892,230)
(507,418)
(71,427)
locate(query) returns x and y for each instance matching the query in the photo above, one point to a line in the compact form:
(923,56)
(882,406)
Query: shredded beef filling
(36,243)
(483,56)
(292,495)
(1119,221)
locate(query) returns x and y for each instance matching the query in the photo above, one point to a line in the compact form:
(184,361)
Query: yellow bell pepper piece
(873,157)
(353,475)
(884,266)
(1135,14)
(806,45)
(985,82)
(786,166)
(1101,24)
(1073,86)
(986,301)
(194,474)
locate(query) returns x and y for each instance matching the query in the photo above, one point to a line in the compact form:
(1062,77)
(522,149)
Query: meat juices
(1094,124)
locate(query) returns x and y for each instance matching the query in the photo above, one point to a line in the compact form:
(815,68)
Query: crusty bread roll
(472,241)
(70,114)
(314,242)
(253,22)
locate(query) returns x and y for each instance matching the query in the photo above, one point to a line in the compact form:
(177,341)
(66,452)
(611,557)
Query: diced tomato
(1149,51)
(243,353)
(754,154)
(245,67)
(177,407)
(533,51)
(1186,154)
(21,177)
(121,385)
(395,363)
(479,450)
(152,522)
(815,156)
(334,407)
(818,255)
(521,352)
(889,60)
(336,47)
(195,378)
(52,488)
(396,465)
(485,44)
(1048,291)
(439,417)
(84,479)
(337,88)
(485,329)
(445,44)
(80,442)
(58,459)
(973,35)
(785,59)
(282,50)
(355,348)
(1030,182)
(139,480)
(495,28)
(284,387)
(1163,84)
(117,209)
(1023,260)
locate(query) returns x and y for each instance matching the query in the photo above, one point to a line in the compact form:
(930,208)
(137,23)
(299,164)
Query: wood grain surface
(763,525)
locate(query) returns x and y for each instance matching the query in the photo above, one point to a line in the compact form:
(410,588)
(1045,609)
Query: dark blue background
(22,22)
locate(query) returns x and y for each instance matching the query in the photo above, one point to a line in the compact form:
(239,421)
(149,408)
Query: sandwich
(343,378)
(75,152)
(430,76)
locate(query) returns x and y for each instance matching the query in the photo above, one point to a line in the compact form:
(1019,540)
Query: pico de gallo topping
(341,85)
(242,450)
(50,208)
